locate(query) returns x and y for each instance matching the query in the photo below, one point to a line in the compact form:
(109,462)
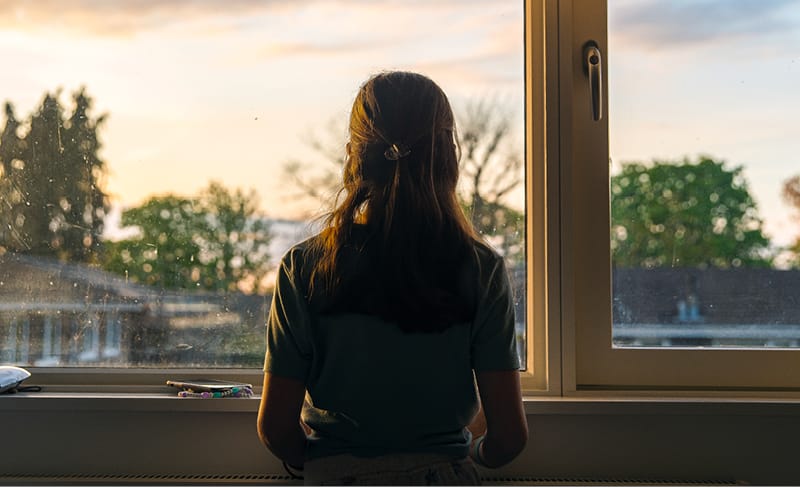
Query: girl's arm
(505,422)
(279,425)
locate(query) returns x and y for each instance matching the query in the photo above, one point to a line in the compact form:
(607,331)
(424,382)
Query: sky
(232,90)
(716,77)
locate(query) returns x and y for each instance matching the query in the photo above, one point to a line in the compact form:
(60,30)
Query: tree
(51,187)
(11,190)
(791,194)
(84,205)
(319,182)
(214,241)
(685,214)
(491,168)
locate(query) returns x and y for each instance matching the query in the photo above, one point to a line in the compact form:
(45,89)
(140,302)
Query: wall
(680,440)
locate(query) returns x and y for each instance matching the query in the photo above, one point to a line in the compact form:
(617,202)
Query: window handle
(594,70)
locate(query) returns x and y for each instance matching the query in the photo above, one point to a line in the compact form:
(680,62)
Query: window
(157,160)
(162,160)
(696,141)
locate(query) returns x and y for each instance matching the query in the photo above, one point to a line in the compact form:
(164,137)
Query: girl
(386,319)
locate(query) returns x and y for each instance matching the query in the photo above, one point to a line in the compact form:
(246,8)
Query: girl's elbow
(513,443)
(506,446)
(519,440)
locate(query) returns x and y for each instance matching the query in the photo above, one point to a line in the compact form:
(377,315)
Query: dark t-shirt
(374,390)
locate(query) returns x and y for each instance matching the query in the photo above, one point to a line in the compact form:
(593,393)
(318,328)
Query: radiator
(272,479)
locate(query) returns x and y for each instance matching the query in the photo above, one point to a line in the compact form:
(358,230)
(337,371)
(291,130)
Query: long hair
(397,239)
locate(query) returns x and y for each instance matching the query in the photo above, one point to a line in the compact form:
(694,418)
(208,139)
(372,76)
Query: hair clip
(396,152)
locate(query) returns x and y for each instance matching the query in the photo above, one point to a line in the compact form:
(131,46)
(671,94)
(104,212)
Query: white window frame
(543,333)
(591,364)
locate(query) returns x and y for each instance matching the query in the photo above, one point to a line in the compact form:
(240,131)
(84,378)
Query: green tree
(685,214)
(791,194)
(491,168)
(83,203)
(214,241)
(51,192)
(11,190)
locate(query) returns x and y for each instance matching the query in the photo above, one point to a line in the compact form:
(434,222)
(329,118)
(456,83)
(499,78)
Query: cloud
(295,49)
(120,17)
(484,70)
(116,18)
(358,26)
(659,24)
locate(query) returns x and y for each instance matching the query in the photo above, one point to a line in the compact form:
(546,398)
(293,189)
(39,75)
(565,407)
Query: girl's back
(374,388)
(388,317)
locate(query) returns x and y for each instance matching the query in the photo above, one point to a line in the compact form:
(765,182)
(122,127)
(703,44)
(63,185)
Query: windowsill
(534,405)
(122,401)
(665,405)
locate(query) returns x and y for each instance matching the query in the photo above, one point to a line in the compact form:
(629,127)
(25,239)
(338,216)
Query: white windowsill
(122,401)
(534,405)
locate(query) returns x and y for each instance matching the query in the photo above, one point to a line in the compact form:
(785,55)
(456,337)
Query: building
(65,314)
(706,307)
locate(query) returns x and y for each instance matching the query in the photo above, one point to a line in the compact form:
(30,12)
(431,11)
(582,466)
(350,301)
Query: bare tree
(791,194)
(491,169)
(317,181)
(491,164)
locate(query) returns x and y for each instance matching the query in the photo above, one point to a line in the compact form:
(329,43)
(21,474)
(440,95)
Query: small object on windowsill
(211,388)
(210,385)
(11,379)
(233,392)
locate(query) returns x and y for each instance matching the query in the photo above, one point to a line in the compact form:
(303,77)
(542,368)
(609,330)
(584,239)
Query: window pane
(705,188)
(158,158)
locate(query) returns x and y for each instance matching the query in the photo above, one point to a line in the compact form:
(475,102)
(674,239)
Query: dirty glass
(705,184)
(158,158)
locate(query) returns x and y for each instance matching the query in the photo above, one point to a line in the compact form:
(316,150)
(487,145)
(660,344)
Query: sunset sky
(230,90)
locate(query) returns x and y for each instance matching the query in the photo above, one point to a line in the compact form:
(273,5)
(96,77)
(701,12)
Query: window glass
(157,159)
(705,186)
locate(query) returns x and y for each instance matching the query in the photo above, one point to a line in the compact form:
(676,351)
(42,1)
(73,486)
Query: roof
(37,282)
(718,296)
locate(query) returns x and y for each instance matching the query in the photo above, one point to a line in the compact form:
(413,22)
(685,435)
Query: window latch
(594,70)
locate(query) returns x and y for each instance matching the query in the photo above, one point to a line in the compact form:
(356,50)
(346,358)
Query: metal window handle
(594,70)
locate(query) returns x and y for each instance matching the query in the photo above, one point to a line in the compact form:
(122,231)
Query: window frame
(542,376)
(568,266)
(543,331)
(592,365)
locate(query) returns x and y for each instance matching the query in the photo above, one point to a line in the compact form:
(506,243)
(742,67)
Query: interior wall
(754,448)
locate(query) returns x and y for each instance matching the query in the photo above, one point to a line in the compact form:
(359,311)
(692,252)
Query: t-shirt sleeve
(494,342)
(288,339)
